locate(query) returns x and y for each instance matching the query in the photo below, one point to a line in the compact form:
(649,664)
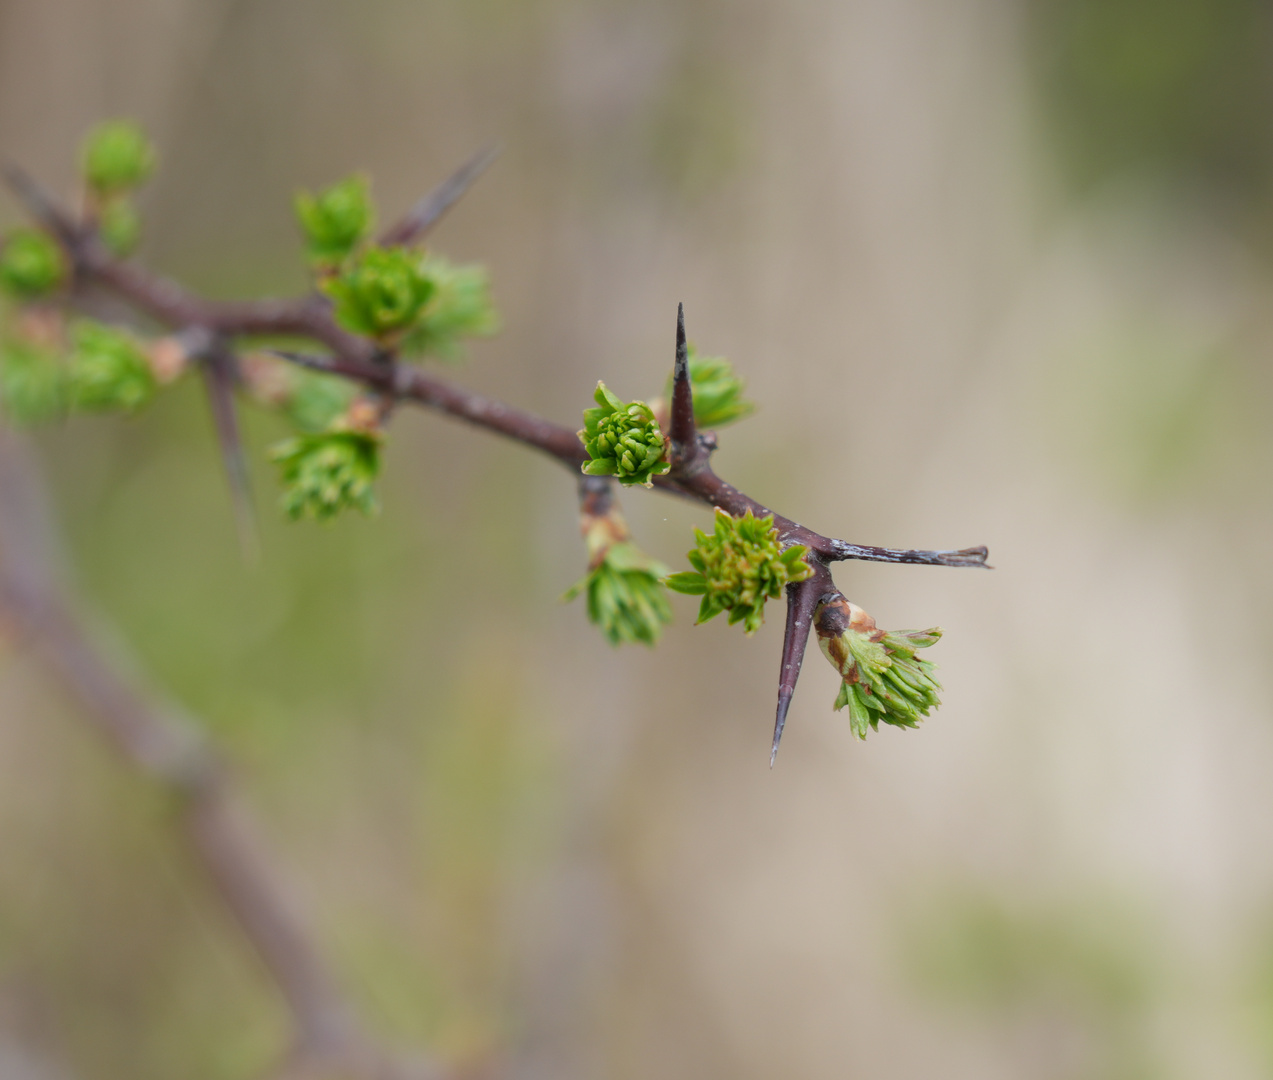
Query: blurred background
(997,272)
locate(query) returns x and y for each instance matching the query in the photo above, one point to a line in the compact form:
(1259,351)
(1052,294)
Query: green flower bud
(336,220)
(625,595)
(381,293)
(460,307)
(119,226)
(718,392)
(739,567)
(883,679)
(31,264)
(108,370)
(117,156)
(326,472)
(622,440)
(32,382)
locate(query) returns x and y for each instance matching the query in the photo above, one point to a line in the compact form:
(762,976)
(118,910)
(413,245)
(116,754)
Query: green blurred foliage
(1090,966)
(1176,87)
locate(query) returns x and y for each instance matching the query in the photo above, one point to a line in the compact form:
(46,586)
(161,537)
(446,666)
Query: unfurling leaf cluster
(103,369)
(31,264)
(625,595)
(738,567)
(623,440)
(883,679)
(116,158)
(717,391)
(337,220)
(327,472)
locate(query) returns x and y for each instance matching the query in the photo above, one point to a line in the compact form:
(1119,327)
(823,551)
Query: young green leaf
(336,220)
(117,157)
(32,382)
(108,371)
(380,293)
(883,680)
(739,567)
(327,472)
(625,595)
(460,307)
(32,264)
(623,440)
(718,392)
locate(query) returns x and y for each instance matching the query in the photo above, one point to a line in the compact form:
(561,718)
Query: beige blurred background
(998,272)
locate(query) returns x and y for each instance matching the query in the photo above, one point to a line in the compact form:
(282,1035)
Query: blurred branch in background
(158,742)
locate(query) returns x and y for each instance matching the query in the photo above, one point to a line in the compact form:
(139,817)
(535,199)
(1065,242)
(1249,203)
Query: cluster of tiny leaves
(119,226)
(108,371)
(32,264)
(884,681)
(413,302)
(623,440)
(625,595)
(116,158)
(738,567)
(327,472)
(104,370)
(460,307)
(718,392)
(380,293)
(337,220)
(32,382)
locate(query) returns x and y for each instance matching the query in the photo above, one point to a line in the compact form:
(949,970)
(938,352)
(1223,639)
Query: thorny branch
(159,743)
(358,359)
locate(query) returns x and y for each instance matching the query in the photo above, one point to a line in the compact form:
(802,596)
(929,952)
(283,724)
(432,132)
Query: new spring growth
(32,264)
(623,440)
(108,370)
(336,220)
(460,307)
(32,380)
(327,472)
(623,585)
(718,392)
(116,158)
(740,566)
(380,293)
(884,681)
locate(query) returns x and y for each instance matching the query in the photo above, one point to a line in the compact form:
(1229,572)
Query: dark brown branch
(426,213)
(161,744)
(356,358)
(802,598)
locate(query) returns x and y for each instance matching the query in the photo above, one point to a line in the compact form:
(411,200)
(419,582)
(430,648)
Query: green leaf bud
(116,157)
(31,264)
(460,307)
(883,681)
(327,472)
(335,221)
(739,567)
(32,382)
(625,595)
(718,392)
(119,226)
(108,370)
(623,440)
(380,293)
